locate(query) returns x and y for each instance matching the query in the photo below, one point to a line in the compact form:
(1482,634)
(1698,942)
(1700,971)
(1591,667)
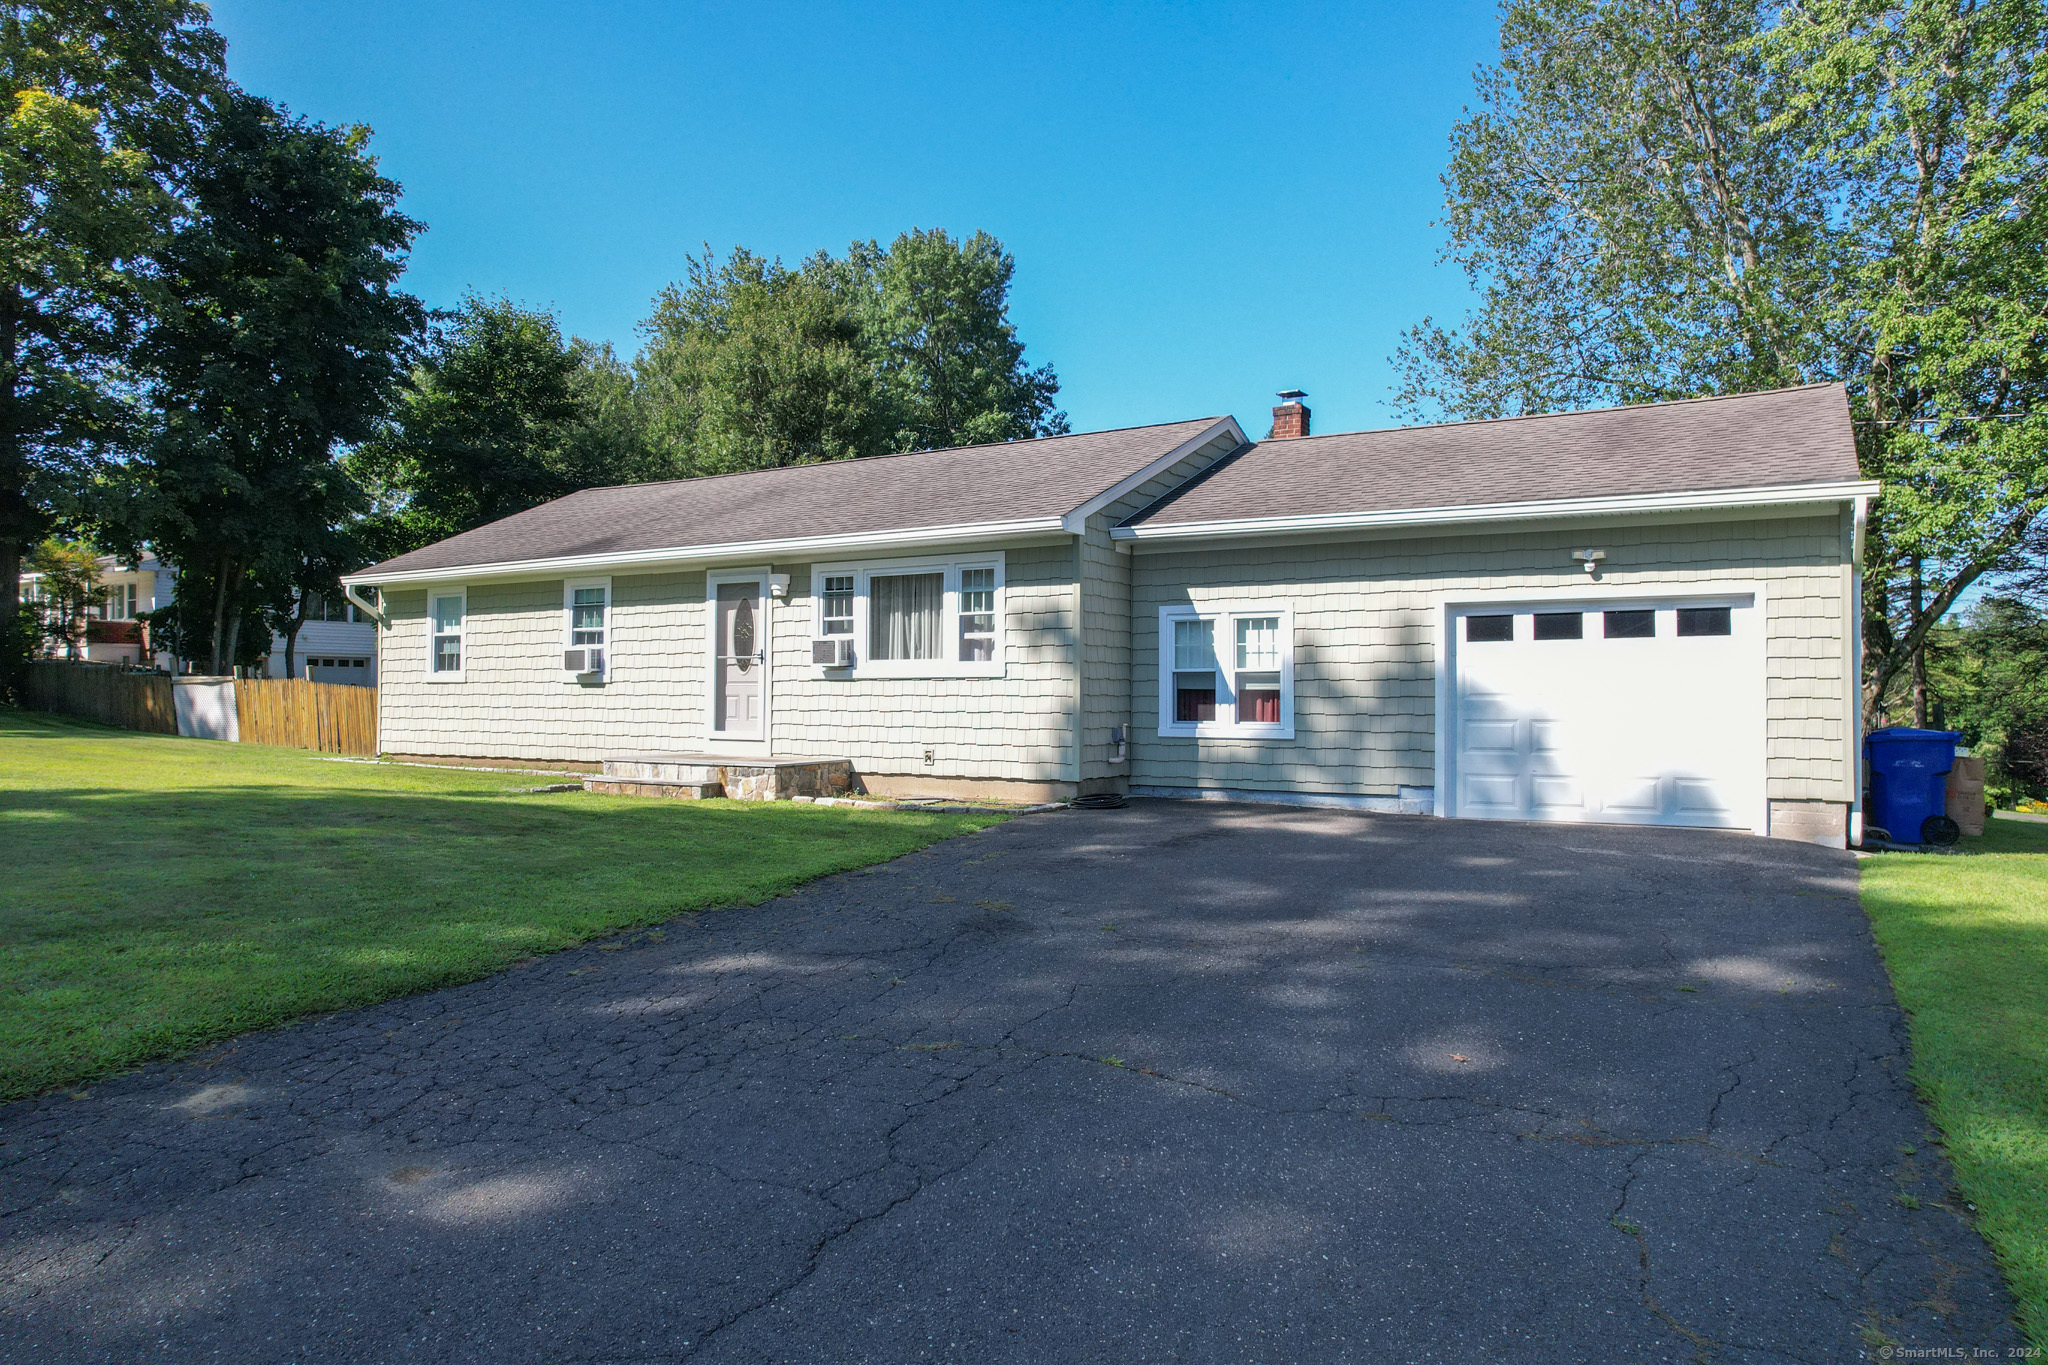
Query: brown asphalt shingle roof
(1787,436)
(967,485)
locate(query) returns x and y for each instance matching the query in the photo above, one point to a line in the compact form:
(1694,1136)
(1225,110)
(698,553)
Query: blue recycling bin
(1908,779)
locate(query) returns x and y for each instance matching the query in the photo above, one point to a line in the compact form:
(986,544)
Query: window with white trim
(922,618)
(1226,671)
(835,615)
(977,615)
(445,611)
(587,624)
(119,604)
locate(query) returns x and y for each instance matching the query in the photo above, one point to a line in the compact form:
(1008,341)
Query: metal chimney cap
(1293,395)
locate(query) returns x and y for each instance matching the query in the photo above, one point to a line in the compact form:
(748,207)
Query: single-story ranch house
(1643,614)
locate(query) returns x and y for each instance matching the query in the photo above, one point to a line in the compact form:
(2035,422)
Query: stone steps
(743,779)
(679,791)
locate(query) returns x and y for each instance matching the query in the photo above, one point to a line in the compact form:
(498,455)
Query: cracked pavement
(1176,1082)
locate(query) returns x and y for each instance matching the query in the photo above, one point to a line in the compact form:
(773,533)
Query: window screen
(446,615)
(1703,621)
(1629,625)
(1194,671)
(1560,625)
(1258,669)
(1489,629)
(586,618)
(977,614)
(837,618)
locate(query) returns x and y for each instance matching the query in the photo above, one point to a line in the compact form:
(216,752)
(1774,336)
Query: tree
(68,583)
(501,414)
(934,314)
(286,340)
(100,102)
(1988,674)
(1665,200)
(751,364)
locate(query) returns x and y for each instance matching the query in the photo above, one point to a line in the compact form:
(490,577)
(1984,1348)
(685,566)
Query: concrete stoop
(696,777)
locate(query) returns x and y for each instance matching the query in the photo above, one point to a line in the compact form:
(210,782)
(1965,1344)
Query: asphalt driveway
(1175,1082)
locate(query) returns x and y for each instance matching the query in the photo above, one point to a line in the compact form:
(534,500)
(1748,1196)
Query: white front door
(1618,712)
(739,663)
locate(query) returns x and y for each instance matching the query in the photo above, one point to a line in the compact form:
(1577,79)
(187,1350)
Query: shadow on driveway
(1173,1082)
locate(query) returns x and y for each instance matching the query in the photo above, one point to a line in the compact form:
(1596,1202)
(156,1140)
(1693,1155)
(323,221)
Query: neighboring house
(1643,615)
(338,642)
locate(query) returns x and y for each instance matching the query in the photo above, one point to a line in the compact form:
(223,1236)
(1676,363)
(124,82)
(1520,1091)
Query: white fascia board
(1623,505)
(739,551)
(1077,520)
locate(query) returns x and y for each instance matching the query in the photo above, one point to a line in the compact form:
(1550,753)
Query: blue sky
(1207,202)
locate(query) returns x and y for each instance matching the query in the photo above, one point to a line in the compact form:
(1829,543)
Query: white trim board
(1076,521)
(876,541)
(1790,495)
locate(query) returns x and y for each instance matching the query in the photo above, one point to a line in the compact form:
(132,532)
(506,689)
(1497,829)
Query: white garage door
(1632,712)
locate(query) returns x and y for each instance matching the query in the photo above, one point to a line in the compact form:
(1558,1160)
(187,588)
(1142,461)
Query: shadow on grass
(155,921)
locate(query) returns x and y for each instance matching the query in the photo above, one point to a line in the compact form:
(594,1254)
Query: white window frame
(1226,616)
(454,675)
(818,617)
(949,664)
(569,587)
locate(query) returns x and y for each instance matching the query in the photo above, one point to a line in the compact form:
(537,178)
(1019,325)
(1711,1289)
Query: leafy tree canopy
(1664,200)
(499,415)
(1988,673)
(99,103)
(750,364)
(286,339)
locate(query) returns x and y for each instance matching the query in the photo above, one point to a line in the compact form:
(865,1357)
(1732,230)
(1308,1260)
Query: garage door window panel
(1628,625)
(1489,629)
(1694,621)
(1560,625)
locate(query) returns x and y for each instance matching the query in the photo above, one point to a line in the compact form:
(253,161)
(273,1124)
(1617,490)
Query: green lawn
(162,893)
(1966,939)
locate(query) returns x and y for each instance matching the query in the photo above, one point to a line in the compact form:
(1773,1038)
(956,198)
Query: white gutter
(920,538)
(365,605)
(1622,505)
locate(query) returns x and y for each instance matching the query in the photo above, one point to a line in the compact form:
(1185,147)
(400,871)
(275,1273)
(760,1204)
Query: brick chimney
(1290,417)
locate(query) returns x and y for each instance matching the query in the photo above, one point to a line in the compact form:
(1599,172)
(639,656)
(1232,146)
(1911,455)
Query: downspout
(1080,659)
(1855,678)
(375,613)
(368,608)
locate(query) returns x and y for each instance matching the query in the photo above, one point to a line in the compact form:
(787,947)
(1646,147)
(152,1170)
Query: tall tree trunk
(232,574)
(1920,651)
(291,633)
(10,586)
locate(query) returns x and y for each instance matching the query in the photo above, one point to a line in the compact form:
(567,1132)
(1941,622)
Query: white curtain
(904,612)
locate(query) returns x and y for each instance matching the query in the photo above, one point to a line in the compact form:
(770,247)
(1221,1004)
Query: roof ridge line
(886,455)
(1569,412)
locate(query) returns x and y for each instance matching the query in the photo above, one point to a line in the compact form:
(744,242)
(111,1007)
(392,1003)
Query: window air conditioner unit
(583,663)
(833,651)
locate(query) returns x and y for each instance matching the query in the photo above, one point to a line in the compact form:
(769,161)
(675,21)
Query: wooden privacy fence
(334,718)
(111,696)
